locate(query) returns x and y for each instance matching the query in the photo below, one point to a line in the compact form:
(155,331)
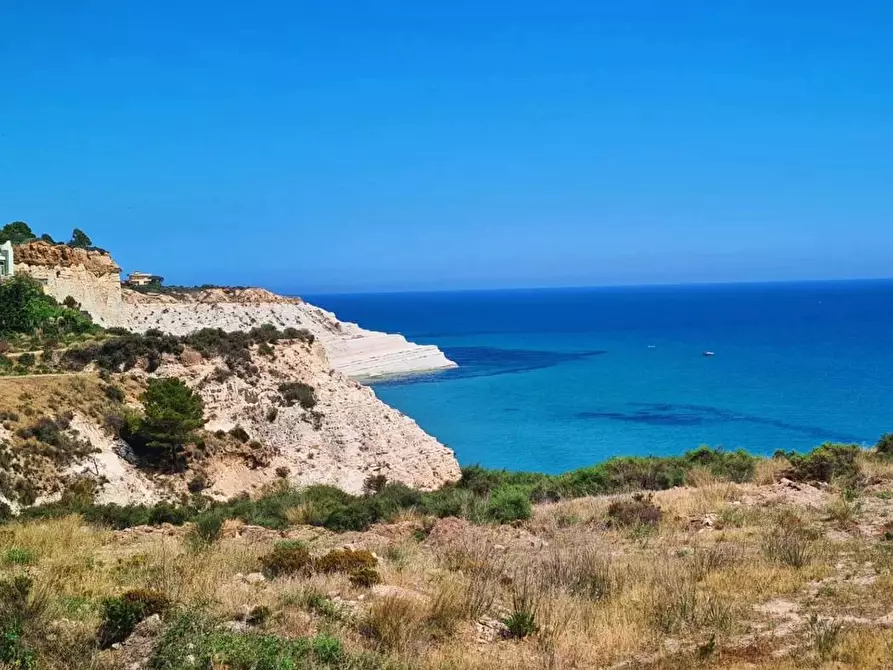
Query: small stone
(255,578)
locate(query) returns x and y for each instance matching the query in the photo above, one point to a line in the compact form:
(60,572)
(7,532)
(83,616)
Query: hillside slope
(56,429)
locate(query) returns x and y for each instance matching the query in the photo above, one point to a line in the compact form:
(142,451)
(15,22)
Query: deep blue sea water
(551,380)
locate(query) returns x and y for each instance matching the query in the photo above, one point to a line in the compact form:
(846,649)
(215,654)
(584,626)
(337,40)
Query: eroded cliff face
(346,436)
(92,278)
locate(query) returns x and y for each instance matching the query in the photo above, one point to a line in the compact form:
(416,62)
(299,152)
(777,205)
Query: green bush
(636,511)
(114,393)
(25,309)
(827,462)
(885,445)
(288,558)
(298,393)
(345,560)
(520,624)
(21,612)
(207,529)
(509,503)
(27,360)
(121,614)
(365,578)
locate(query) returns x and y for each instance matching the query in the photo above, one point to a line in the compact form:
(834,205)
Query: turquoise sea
(551,380)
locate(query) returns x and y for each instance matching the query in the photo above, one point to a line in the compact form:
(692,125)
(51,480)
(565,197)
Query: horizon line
(584,287)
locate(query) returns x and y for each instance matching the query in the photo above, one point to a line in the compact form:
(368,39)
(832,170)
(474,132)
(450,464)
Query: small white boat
(709,353)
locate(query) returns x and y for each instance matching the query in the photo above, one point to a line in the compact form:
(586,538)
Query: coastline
(352,350)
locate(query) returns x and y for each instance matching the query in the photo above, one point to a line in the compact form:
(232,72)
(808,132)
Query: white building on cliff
(7,262)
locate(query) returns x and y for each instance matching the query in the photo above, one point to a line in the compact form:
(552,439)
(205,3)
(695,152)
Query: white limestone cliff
(353,350)
(92,278)
(346,437)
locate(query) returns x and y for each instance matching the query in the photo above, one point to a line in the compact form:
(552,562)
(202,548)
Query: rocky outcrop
(91,277)
(346,436)
(355,351)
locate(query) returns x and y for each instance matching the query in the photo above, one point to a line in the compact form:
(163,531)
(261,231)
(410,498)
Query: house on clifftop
(142,279)
(7,262)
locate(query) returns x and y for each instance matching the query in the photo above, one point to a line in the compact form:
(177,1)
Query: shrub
(395,623)
(123,352)
(25,308)
(207,529)
(298,393)
(197,484)
(328,650)
(345,560)
(289,557)
(272,413)
(374,484)
(27,360)
(824,635)
(827,462)
(507,504)
(520,624)
(365,578)
(121,614)
(258,616)
(636,511)
(885,444)
(240,434)
(20,609)
(790,542)
(114,393)
(526,595)
(282,472)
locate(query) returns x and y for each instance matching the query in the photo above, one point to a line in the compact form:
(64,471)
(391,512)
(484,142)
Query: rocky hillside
(340,436)
(274,413)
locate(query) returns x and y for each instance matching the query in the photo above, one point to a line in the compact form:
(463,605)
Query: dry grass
(738,594)
(769,470)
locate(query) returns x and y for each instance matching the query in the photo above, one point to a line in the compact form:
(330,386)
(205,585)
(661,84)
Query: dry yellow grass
(680,595)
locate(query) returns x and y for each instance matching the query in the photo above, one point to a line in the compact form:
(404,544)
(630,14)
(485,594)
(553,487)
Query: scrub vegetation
(715,566)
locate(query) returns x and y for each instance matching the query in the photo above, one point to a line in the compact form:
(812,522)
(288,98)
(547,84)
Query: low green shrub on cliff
(825,463)
(26,310)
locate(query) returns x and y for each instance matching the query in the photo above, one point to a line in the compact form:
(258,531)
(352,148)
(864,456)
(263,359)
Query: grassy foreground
(734,562)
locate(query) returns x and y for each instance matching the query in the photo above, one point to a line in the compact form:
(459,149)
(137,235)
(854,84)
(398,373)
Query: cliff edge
(92,278)
(353,350)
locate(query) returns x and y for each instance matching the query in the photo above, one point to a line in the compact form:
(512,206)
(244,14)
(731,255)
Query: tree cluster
(19,232)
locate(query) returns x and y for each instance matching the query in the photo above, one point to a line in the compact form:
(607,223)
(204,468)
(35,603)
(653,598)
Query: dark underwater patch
(491,361)
(672,414)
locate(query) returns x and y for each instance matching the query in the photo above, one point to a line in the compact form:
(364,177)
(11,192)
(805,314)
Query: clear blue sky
(378,145)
